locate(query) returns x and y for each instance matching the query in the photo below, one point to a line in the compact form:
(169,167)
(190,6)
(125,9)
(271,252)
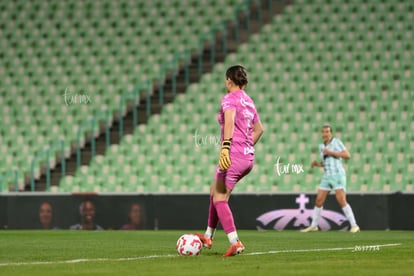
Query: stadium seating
(343,62)
(346,63)
(53,51)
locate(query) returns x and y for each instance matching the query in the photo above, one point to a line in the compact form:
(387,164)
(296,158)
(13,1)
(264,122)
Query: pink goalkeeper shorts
(238,169)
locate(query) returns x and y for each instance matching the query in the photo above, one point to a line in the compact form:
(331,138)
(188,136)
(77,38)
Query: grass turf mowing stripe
(74,261)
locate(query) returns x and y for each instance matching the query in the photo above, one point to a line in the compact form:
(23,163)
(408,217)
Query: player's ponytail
(238,75)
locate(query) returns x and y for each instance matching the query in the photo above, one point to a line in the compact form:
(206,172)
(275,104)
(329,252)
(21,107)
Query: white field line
(74,261)
(320,249)
(87,260)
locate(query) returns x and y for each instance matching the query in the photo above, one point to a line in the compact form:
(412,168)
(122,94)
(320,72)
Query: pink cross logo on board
(301,217)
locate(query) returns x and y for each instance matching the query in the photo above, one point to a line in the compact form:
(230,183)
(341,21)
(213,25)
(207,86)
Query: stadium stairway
(236,34)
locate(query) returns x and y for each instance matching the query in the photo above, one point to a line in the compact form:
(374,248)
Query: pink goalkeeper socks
(225,215)
(212,215)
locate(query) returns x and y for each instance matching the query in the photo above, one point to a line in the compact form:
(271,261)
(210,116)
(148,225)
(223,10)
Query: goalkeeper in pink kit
(240,130)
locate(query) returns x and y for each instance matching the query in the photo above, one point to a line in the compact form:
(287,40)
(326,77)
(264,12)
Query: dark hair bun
(238,75)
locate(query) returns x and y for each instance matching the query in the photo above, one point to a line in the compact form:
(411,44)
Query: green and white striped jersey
(332,165)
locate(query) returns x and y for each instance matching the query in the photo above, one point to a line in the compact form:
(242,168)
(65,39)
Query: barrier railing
(102,116)
(146,85)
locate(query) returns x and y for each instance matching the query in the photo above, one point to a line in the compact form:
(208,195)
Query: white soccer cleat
(310,229)
(355,229)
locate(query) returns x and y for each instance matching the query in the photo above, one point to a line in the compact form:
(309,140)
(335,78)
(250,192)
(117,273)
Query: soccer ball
(189,245)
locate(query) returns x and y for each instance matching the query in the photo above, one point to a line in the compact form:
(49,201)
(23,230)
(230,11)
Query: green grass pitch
(153,253)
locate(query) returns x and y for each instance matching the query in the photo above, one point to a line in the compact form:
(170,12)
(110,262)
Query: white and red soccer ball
(189,245)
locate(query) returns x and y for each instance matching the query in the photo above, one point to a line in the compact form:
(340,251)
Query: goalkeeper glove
(224,160)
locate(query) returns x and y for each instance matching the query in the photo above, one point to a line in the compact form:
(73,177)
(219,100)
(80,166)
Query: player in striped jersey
(332,152)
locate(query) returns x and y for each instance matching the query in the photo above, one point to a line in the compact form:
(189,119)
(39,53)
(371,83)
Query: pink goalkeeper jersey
(246,116)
